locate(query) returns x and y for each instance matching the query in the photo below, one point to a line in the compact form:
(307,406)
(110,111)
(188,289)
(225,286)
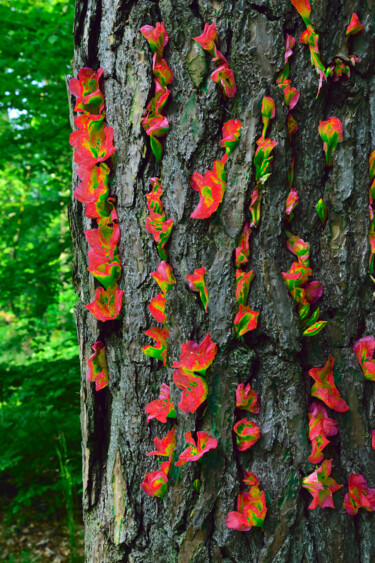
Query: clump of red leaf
(156,223)
(320,426)
(223,75)
(310,38)
(211,188)
(359,496)
(304,292)
(155,483)
(154,123)
(194,358)
(94,149)
(251,507)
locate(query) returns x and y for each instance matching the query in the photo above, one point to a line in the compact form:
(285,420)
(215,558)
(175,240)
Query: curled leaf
(243,282)
(247,433)
(97,366)
(164,277)
(247,399)
(155,484)
(268,112)
(320,426)
(304,9)
(330,132)
(364,350)
(324,387)
(321,209)
(243,248)
(231,135)
(211,188)
(355,27)
(165,446)
(197,283)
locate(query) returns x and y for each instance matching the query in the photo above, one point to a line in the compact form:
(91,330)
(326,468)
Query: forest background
(40,459)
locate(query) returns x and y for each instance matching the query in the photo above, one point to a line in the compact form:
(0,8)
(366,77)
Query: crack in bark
(264,10)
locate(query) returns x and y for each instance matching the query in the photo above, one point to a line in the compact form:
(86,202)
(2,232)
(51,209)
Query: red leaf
(107,303)
(194,389)
(324,387)
(197,357)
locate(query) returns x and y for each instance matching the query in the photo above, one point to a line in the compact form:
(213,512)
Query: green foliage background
(39,384)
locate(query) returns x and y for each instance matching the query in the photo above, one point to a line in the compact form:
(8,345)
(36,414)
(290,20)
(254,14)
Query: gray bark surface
(122,523)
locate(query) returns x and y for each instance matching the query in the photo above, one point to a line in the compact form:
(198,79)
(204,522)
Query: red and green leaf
(165,446)
(157,308)
(196,449)
(245,320)
(197,283)
(324,387)
(231,135)
(159,350)
(164,277)
(161,408)
(196,357)
(107,303)
(330,132)
(211,188)
(247,399)
(321,486)
(243,282)
(155,484)
(247,433)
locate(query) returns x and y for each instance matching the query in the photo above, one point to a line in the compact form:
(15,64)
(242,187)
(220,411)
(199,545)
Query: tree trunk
(122,523)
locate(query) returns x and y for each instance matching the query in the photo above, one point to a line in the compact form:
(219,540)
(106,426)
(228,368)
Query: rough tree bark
(122,523)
